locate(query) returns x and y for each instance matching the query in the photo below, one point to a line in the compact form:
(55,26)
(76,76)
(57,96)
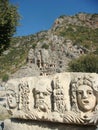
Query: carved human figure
(42,95)
(11,99)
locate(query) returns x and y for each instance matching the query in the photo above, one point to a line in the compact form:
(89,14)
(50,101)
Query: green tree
(9,18)
(87,63)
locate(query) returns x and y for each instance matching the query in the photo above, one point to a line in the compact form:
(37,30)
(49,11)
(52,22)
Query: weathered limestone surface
(66,98)
(36,125)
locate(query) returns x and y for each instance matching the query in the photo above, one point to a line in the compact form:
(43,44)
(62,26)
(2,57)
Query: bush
(88,63)
(46,46)
(5,78)
(34,45)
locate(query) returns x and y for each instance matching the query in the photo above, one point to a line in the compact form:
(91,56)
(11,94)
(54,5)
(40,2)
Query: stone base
(16,124)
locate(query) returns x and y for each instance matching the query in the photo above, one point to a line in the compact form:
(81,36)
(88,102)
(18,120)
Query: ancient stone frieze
(64,97)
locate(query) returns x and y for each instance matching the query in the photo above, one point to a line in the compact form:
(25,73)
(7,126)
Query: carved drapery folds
(66,97)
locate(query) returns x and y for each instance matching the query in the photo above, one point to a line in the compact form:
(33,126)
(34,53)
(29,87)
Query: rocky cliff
(50,51)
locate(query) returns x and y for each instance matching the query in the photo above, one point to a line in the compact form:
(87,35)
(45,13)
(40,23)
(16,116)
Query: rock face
(81,19)
(51,50)
(67,98)
(55,59)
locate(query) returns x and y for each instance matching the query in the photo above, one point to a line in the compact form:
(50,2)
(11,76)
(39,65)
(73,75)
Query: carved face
(42,98)
(86,98)
(11,99)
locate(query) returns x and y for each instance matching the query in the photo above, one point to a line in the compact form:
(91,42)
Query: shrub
(46,46)
(88,63)
(34,45)
(5,78)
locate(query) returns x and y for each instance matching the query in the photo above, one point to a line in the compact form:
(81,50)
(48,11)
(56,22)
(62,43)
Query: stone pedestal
(37,125)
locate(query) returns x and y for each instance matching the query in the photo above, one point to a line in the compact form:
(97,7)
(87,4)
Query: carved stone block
(69,98)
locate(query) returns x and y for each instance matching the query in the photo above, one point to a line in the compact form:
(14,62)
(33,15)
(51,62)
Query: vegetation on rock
(83,32)
(87,63)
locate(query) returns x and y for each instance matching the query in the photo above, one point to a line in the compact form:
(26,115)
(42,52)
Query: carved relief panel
(66,97)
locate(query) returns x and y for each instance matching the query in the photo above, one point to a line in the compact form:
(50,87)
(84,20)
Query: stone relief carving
(11,95)
(59,99)
(44,98)
(24,95)
(11,99)
(83,101)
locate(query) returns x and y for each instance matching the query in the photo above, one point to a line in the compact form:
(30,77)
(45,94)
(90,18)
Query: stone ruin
(41,58)
(56,58)
(64,98)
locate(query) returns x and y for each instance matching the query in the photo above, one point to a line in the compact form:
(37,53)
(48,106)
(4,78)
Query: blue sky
(39,15)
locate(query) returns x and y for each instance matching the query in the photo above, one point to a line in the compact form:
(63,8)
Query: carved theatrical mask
(42,97)
(86,98)
(11,99)
(83,100)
